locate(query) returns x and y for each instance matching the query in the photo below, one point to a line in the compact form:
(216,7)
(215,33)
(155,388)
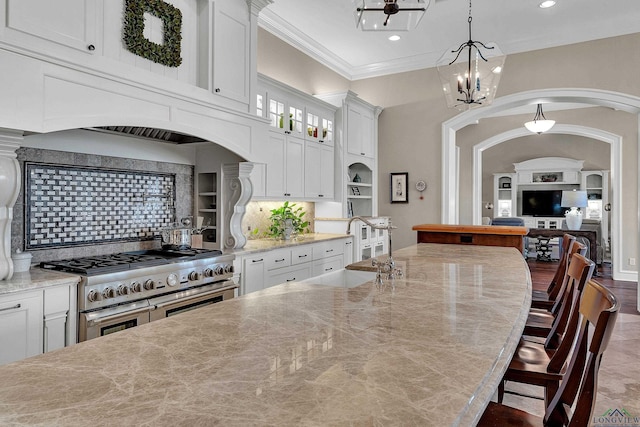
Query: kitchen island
(426,349)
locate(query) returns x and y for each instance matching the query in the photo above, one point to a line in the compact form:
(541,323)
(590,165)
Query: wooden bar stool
(598,311)
(540,364)
(541,322)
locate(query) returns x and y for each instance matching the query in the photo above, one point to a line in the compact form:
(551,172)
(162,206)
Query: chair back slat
(554,287)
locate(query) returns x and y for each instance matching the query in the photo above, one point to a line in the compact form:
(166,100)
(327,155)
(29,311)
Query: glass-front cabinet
(319,126)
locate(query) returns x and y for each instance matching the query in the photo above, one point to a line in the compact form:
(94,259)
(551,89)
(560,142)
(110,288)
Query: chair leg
(501,390)
(549,391)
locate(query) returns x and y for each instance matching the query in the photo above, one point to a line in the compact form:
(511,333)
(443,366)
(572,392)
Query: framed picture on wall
(399,187)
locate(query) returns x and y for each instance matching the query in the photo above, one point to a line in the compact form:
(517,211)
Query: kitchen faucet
(389,266)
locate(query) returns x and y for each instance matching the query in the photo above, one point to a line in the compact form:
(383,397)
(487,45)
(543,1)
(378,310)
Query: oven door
(106,321)
(190,299)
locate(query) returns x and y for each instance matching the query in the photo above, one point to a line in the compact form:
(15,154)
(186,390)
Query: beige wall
(414,109)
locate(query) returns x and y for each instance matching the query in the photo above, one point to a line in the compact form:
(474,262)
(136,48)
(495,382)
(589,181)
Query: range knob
(228,268)
(219,270)
(194,275)
(109,292)
(123,290)
(94,296)
(208,272)
(136,287)
(172,279)
(149,284)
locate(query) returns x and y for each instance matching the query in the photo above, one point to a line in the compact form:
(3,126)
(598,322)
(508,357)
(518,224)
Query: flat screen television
(542,203)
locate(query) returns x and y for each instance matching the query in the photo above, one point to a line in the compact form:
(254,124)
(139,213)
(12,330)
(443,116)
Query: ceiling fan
(415,10)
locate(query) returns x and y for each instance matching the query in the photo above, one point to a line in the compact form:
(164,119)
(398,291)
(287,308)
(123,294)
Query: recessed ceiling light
(547,3)
(394,37)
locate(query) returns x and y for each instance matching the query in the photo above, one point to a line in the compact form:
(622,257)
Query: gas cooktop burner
(102,264)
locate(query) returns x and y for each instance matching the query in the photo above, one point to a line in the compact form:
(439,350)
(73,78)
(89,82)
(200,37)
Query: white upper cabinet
(230,54)
(360,131)
(299,155)
(217,43)
(319,171)
(70,23)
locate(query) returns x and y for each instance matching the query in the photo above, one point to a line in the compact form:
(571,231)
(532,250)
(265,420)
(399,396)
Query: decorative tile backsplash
(69,205)
(183,197)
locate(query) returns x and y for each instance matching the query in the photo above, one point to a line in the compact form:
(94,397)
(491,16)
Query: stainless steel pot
(176,237)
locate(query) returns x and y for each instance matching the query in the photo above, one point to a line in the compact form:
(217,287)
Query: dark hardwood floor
(626,292)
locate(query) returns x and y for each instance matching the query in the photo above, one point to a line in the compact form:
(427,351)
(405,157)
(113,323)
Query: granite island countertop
(428,349)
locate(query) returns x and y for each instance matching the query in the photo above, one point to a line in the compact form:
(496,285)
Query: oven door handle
(163,304)
(96,318)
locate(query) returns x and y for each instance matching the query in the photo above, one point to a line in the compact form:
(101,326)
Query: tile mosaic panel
(69,205)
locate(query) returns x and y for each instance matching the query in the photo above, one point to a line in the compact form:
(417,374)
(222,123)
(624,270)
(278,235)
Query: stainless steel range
(124,290)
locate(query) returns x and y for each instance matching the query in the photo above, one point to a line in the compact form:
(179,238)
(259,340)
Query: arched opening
(617,101)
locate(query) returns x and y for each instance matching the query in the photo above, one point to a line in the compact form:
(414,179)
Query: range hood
(150,133)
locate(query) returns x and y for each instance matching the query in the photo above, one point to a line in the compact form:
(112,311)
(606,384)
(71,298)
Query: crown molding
(272,23)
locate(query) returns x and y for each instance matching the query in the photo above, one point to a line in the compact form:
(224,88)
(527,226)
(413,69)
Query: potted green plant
(287,220)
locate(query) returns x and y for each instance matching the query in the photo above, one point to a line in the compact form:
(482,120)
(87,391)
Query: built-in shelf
(208,208)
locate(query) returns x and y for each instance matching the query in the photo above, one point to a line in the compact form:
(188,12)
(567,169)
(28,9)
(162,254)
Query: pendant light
(389,15)
(472,83)
(539,123)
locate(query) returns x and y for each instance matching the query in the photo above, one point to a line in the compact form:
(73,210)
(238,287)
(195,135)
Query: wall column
(10,141)
(236,193)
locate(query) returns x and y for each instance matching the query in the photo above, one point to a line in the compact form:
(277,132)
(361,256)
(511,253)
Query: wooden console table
(483,235)
(558,232)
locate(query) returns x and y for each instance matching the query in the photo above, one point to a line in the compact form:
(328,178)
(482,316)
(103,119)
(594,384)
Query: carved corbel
(237,191)
(10,141)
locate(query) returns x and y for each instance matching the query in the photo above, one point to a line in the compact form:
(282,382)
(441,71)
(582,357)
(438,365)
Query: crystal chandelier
(539,123)
(472,83)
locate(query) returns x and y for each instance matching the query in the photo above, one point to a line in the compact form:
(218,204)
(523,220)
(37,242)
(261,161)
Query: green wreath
(167,53)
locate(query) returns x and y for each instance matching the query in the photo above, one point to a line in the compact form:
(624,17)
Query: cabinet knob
(91,48)
(362,154)
(320,195)
(217,90)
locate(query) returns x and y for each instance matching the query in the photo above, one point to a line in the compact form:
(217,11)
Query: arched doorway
(450,173)
(615,142)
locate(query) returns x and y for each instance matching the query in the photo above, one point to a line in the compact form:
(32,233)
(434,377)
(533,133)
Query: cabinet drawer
(328,264)
(301,254)
(278,259)
(291,274)
(328,249)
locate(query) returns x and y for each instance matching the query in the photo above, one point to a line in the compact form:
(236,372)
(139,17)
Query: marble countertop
(428,349)
(36,278)
(263,245)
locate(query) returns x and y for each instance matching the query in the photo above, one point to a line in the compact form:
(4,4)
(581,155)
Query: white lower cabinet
(270,268)
(36,321)
(252,276)
(20,326)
